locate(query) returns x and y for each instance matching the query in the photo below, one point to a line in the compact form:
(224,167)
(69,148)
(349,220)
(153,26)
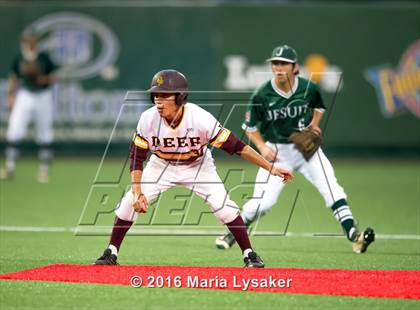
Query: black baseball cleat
(364,240)
(107,258)
(253,261)
(225,242)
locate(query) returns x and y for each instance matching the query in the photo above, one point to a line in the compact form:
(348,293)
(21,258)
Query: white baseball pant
(318,170)
(159,176)
(31,105)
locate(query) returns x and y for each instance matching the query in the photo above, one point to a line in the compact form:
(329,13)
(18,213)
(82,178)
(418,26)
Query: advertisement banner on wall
(83,48)
(104,52)
(398,89)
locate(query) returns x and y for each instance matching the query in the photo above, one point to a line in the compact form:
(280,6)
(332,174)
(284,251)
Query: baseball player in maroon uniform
(179,134)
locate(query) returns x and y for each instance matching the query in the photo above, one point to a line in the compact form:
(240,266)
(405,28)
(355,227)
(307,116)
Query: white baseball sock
(113,249)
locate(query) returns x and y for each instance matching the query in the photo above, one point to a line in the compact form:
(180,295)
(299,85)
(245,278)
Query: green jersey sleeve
(253,114)
(316,102)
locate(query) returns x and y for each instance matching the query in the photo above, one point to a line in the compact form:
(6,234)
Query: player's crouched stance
(177,134)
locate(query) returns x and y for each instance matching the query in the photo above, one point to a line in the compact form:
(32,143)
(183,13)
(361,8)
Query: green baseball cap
(283,53)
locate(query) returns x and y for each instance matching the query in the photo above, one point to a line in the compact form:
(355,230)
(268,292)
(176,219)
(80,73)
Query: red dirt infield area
(366,283)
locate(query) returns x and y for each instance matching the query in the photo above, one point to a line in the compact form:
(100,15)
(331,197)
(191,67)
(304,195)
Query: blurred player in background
(281,106)
(30,97)
(178,134)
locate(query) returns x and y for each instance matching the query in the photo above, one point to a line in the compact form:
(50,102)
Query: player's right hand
(10,103)
(285,174)
(315,129)
(140,205)
(268,153)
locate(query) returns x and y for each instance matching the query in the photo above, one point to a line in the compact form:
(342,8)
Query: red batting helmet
(170,81)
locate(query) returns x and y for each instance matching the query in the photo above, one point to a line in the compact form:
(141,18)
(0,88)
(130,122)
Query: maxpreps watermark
(216,282)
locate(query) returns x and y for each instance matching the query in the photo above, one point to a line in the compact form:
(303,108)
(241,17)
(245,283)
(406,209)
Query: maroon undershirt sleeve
(137,156)
(233,145)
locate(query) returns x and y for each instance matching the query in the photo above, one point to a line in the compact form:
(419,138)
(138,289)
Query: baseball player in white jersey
(179,134)
(281,106)
(30,97)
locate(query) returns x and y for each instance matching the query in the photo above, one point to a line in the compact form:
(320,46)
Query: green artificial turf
(383,195)
(48,295)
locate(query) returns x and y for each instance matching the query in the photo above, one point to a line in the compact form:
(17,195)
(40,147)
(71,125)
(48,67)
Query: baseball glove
(307,142)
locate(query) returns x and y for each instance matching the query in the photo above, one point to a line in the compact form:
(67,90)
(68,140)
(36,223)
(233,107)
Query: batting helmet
(170,81)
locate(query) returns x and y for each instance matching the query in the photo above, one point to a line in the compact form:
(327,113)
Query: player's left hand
(45,80)
(141,205)
(42,80)
(286,175)
(315,129)
(11,102)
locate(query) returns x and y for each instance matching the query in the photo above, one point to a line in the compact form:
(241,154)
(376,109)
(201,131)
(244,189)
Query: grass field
(382,194)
